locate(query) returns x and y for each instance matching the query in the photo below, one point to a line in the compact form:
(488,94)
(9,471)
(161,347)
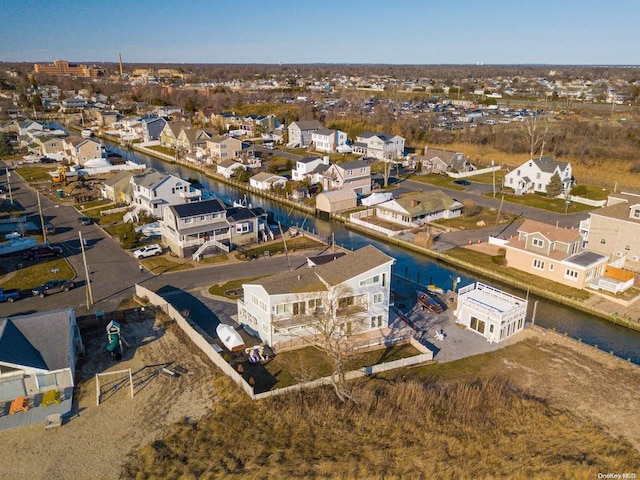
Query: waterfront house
(382,146)
(118,188)
(207,226)
(171,132)
(534,176)
(300,132)
(267,181)
(49,146)
(228,168)
(554,253)
(151,128)
(415,209)
(79,150)
(354,176)
(490,312)
(152,191)
(224,147)
(336,201)
(353,290)
(310,168)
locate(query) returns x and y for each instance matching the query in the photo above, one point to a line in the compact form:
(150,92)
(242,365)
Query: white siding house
(534,175)
(326,140)
(153,191)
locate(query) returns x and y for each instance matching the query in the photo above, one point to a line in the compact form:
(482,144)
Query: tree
(534,131)
(554,187)
(5,145)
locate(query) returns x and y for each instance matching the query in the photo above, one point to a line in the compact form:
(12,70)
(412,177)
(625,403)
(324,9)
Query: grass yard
(293,244)
(486,218)
(488,178)
(219,288)
(437,180)
(109,219)
(37,272)
(35,174)
(556,205)
(163,264)
(221,258)
(161,149)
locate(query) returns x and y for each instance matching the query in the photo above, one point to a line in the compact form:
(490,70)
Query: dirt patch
(95,442)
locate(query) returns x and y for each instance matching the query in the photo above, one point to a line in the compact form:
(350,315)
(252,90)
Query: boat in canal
(428,302)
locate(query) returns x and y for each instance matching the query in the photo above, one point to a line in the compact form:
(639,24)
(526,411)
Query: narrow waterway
(608,337)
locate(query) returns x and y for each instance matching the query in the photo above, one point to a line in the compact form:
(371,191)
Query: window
(539,264)
(188,220)
(376,321)
(243,227)
(603,241)
(370,281)
(635,213)
(627,247)
(571,274)
(538,243)
(551,266)
(377,298)
(538,176)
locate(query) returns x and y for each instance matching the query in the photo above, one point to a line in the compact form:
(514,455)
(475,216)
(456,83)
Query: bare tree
(534,131)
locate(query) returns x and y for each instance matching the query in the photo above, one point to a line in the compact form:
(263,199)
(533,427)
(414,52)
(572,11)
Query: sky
(561,32)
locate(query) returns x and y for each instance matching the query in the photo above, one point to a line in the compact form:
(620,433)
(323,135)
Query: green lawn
(293,244)
(36,174)
(164,264)
(220,288)
(488,178)
(37,272)
(486,218)
(437,180)
(161,149)
(542,202)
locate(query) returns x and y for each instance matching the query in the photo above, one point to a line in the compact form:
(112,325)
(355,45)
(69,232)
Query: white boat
(376,198)
(16,245)
(229,337)
(86,133)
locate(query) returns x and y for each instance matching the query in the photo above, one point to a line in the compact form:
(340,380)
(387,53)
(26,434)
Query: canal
(625,343)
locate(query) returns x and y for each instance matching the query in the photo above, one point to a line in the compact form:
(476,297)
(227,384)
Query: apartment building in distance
(63,67)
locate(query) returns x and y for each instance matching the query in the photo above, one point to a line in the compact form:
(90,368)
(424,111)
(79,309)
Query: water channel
(625,343)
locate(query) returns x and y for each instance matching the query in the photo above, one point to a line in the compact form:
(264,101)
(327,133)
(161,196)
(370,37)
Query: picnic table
(50,397)
(20,404)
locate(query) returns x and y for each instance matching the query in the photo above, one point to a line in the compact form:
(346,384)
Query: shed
(336,201)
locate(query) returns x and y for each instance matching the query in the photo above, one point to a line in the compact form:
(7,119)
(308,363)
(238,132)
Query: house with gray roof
(38,353)
(311,168)
(118,188)
(330,141)
(300,132)
(418,208)
(383,146)
(153,190)
(534,176)
(354,176)
(209,226)
(353,290)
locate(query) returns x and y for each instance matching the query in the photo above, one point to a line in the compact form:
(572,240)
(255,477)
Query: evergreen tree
(554,187)
(5,145)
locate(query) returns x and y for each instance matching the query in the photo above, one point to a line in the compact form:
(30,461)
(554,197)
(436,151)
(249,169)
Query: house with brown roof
(436,160)
(79,150)
(554,253)
(171,132)
(224,147)
(354,176)
(418,208)
(191,139)
(353,290)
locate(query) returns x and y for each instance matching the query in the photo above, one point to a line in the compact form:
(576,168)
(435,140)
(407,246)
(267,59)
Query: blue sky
(326,31)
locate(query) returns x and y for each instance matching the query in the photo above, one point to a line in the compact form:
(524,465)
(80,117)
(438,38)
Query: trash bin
(60,193)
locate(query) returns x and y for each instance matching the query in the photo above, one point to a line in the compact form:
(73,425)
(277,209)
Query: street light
(494,178)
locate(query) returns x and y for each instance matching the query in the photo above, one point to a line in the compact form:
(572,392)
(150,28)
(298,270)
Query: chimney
(325,160)
(414,203)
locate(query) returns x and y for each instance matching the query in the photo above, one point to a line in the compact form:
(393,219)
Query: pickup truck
(51,287)
(9,295)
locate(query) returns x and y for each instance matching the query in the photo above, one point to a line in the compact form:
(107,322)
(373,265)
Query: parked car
(462,181)
(49,229)
(53,286)
(41,251)
(148,251)
(85,221)
(9,295)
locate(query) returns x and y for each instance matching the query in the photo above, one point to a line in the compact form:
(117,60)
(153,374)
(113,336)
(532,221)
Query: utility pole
(494,177)
(86,273)
(9,185)
(286,252)
(44,230)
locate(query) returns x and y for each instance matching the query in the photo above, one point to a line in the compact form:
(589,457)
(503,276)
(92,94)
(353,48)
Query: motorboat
(434,289)
(15,245)
(428,302)
(230,338)
(86,133)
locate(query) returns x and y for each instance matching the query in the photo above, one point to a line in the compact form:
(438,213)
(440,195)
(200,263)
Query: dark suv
(53,286)
(41,251)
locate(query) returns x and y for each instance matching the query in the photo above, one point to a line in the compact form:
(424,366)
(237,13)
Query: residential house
(228,168)
(311,168)
(72,103)
(152,191)
(192,139)
(300,132)
(382,146)
(556,254)
(534,176)
(253,125)
(353,290)
(336,201)
(419,208)
(49,146)
(171,132)
(106,118)
(39,354)
(79,150)
(490,312)
(118,188)
(329,141)
(151,128)
(436,160)
(267,181)
(27,127)
(354,176)
(193,228)
(167,111)
(224,147)
(614,231)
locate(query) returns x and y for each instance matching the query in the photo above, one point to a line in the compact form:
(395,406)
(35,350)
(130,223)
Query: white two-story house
(354,176)
(328,141)
(152,191)
(382,146)
(311,168)
(353,290)
(534,175)
(196,228)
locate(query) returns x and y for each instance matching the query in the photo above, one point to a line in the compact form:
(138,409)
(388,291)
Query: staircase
(197,255)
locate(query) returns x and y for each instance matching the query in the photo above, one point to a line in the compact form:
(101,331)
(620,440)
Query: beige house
(52,147)
(419,208)
(336,201)
(614,231)
(224,147)
(80,150)
(354,176)
(190,139)
(171,132)
(436,160)
(556,254)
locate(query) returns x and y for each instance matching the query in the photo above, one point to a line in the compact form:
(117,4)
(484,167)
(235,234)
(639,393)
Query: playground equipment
(124,377)
(256,354)
(115,340)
